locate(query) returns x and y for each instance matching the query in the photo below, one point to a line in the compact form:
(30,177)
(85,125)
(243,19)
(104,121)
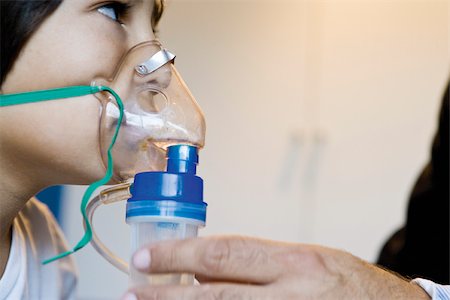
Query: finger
(226,258)
(208,291)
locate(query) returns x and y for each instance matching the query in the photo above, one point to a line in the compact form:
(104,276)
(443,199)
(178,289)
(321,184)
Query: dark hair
(21,18)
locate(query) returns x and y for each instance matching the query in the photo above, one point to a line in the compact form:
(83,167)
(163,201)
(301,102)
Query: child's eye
(115,11)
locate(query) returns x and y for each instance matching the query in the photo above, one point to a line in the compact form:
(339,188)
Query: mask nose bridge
(155,70)
(156,61)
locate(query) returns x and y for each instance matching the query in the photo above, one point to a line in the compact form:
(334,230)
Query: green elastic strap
(44,95)
(68,92)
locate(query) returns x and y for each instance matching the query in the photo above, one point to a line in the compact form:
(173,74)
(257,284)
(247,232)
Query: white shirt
(434,290)
(35,237)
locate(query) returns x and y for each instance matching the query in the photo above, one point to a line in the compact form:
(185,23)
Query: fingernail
(129,296)
(141,259)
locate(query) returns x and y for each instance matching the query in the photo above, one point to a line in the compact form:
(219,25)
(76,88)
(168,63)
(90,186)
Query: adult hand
(234,267)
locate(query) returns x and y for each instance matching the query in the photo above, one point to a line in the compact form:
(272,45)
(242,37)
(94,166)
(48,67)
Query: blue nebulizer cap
(176,193)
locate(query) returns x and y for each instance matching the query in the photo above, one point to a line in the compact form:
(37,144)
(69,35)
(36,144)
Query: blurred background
(320,116)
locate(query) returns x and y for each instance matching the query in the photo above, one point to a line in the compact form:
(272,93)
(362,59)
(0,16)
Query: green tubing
(62,93)
(91,188)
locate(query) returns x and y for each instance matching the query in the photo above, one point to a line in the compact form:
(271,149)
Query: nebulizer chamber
(166,205)
(161,120)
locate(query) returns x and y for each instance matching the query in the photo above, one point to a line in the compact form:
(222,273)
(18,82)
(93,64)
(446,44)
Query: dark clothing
(421,247)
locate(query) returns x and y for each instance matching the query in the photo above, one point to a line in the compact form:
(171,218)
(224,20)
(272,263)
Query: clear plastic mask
(159,111)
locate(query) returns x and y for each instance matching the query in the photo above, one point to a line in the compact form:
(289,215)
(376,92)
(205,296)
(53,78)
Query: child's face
(57,141)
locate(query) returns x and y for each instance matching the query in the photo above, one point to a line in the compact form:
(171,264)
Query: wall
(320,115)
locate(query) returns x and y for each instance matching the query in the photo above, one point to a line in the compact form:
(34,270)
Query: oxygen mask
(159,111)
